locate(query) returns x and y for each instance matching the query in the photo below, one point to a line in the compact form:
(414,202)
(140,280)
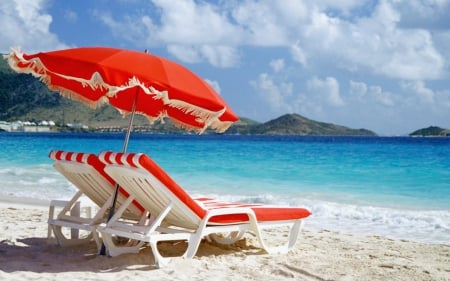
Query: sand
(27,254)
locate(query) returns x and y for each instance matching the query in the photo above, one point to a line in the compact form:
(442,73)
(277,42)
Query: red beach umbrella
(155,86)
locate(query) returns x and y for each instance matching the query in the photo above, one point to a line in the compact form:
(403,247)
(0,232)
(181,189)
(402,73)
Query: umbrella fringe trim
(36,68)
(33,67)
(79,98)
(204,116)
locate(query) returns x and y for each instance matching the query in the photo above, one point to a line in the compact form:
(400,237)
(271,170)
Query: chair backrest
(153,188)
(86,172)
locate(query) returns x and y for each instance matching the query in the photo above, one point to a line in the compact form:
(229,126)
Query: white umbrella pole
(124,149)
(130,124)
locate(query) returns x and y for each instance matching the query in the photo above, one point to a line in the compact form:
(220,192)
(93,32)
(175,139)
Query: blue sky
(381,65)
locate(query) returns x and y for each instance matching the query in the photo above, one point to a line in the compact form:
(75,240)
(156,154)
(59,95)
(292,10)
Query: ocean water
(398,187)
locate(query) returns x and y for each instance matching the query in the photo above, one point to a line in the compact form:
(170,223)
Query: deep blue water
(394,186)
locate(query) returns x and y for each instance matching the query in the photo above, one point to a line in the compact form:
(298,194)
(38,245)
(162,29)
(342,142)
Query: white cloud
(327,89)
(188,53)
(220,56)
(358,89)
(277,65)
(381,97)
(275,94)
(298,54)
(200,27)
(372,42)
(192,32)
(425,95)
(190,23)
(25,24)
(261,24)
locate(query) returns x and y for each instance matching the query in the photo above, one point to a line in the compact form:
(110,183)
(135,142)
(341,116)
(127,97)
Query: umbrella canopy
(154,86)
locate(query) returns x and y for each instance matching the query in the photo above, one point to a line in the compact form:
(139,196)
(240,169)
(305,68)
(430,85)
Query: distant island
(431,131)
(295,124)
(24,98)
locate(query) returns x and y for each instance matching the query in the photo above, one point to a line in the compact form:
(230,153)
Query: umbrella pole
(116,189)
(130,124)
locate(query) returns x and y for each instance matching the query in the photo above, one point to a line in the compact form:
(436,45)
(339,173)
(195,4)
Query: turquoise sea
(398,187)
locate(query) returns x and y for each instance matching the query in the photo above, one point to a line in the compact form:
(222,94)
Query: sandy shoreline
(26,254)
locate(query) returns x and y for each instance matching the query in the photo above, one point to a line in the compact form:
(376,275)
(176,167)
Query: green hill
(294,124)
(25,98)
(431,131)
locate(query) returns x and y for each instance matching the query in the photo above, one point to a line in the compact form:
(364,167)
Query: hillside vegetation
(431,131)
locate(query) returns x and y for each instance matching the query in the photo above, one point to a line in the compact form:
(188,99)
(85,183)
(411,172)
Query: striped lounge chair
(87,174)
(177,216)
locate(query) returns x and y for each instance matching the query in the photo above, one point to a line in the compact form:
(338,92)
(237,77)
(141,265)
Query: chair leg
(193,244)
(160,261)
(294,231)
(62,240)
(114,250)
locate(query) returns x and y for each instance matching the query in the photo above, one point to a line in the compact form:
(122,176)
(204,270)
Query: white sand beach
(26,254)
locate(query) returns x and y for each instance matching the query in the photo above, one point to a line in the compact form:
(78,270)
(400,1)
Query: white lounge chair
(177,216)
(86,173)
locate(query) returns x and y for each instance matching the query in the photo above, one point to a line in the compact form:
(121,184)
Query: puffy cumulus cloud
(277,65)
(201,27)
(326,89)
(268,23)
(323,32)
(219,56)
(357,36)
(425,95)
(189,54)
(373,44)
(373,41)
(192,32)
(381,97)
(25,24)
(298,54)
(358,90)
(276,94)
(191,23)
